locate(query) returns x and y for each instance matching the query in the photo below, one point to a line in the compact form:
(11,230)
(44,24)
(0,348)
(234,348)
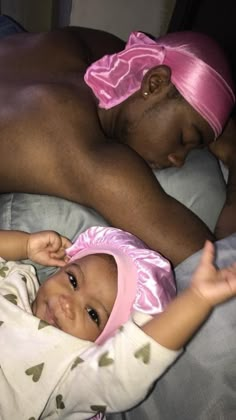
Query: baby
(115,299)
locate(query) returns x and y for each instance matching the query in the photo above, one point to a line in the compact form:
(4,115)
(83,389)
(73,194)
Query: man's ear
(155,79)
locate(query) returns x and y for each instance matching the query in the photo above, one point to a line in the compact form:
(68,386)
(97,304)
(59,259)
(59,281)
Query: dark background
(213,17)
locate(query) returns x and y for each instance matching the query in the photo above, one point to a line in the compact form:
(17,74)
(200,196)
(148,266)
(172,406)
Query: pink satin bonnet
(199,71)
(145,280)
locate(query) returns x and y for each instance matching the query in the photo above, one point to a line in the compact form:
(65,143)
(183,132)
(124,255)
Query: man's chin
(159,167)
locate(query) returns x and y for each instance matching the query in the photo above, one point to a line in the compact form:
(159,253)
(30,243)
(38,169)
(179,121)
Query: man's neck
(109,119)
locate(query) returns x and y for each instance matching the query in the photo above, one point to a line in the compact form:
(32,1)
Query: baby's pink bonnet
(145,280)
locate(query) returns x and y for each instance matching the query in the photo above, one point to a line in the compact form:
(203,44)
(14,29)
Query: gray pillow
(199,185)
(32,213)
(201,385)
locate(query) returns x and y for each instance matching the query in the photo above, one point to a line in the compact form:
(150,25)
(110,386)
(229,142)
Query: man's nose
(67,306)
(177,159)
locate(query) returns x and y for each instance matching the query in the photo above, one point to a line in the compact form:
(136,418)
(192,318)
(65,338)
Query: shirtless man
(55,139)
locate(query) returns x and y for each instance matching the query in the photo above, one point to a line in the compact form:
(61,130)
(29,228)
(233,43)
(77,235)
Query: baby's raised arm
(46,248)
(174,327)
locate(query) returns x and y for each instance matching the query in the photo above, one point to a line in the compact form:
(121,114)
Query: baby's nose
(67,306)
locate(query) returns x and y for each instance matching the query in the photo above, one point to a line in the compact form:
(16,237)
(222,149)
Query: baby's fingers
(208,253)
(66,243)
(59,254)
(230,278)
(58,258)
(58,262)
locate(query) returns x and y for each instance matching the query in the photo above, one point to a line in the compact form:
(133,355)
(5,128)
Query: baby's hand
(48,248)
(212,285)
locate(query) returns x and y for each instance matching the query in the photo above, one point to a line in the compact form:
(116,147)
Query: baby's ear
(155,79)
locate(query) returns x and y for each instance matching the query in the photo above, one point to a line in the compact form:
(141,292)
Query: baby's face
(79,298)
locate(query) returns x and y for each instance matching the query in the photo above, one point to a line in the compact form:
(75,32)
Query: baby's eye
(93,315)
(72,280)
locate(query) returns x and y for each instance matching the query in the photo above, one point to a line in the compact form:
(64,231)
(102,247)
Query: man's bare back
(53,141)
(44,116)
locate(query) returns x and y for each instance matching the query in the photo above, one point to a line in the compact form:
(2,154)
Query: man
(56,140)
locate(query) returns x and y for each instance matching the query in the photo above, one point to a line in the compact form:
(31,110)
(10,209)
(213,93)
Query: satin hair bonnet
(145,280)
(199,71)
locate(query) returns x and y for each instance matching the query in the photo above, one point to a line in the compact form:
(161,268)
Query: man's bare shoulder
(96,42)
(72,45)
(47,50)
(49,111)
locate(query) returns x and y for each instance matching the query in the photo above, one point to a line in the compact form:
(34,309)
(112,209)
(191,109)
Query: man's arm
(225,149)
(129,197)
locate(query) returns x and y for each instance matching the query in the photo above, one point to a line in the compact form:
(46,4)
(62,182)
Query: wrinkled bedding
(202,384)
(199,185)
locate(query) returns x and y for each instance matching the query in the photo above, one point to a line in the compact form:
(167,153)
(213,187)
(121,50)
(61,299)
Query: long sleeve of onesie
(48,374)
(115,376)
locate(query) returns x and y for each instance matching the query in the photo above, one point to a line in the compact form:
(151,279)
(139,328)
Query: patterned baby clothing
(48,374)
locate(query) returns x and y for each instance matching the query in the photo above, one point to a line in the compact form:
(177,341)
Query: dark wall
(213,17)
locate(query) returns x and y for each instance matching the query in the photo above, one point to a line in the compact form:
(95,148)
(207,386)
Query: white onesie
(46,373)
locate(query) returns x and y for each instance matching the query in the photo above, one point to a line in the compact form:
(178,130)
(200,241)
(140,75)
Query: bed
(202,383)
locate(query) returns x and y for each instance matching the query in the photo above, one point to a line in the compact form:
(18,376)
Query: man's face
(165,135)
(79,298)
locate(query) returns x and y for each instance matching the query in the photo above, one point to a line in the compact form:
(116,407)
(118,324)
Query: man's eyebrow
(200,135)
